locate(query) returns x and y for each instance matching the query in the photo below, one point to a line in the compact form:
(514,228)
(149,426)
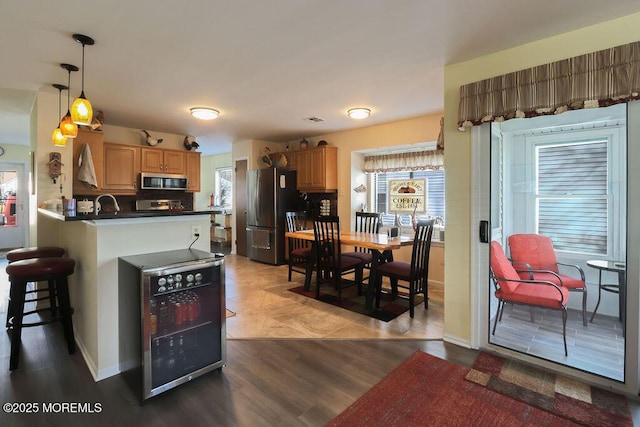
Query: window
(435,196)
(572,204)
(224,187)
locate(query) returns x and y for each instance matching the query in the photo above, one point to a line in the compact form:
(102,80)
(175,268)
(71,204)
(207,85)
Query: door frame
(236,211)
(23,200)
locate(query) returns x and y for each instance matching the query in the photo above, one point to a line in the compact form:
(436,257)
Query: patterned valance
(597,79)
(417,160)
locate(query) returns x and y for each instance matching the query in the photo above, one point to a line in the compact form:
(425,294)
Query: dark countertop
(121,215)
(171,258)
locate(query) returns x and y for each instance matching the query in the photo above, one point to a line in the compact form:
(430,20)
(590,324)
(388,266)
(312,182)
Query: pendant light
(81,110)
(59,140)
(68,128)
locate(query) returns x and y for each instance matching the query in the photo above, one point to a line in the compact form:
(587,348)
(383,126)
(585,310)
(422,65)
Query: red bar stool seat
(51,269)
(36,252)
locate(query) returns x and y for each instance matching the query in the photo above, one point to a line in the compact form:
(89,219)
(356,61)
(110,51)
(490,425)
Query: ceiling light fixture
(67,126)
(58,139)
(204,113)
(359,113)
(81,110)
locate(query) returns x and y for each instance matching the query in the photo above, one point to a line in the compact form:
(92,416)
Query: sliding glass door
(562,177)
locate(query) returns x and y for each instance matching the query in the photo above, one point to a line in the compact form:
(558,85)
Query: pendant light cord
(82,91)
(68,89)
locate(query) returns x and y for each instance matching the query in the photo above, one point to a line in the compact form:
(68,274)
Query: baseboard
(456,340)
(97,375)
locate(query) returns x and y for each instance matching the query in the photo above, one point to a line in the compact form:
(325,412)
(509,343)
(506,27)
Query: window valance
(417,160)
(597,79)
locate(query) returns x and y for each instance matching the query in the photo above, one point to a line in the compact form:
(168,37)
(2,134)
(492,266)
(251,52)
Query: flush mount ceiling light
(81,110)
(58,139)
(204,113)
(359,113)
(67,126)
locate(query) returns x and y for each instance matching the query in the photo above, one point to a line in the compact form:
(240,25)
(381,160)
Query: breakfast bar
(96,242)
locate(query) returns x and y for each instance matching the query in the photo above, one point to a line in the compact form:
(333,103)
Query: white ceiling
(265,65)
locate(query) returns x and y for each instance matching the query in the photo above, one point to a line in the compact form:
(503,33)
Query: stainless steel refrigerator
(271,192)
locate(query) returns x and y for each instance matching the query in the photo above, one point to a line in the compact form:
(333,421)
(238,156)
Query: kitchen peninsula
(96,242)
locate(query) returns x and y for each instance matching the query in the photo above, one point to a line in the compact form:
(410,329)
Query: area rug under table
(427,391)
(570,399)
(390,307)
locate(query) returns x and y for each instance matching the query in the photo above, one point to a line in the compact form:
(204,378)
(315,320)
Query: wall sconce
(360,189)
(81,110)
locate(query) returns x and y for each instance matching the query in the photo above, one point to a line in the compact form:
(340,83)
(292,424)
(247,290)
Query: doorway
(240,188)
(13,205)
(565,177)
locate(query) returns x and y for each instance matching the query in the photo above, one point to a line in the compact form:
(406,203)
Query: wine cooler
(171,318)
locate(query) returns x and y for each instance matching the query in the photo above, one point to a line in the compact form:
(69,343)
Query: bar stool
(20,273)
(36,252)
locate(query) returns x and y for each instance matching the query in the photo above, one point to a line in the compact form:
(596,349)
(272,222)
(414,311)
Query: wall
(458,322)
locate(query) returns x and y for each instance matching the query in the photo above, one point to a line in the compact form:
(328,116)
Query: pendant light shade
(58,139)
(81,110)
(67,126)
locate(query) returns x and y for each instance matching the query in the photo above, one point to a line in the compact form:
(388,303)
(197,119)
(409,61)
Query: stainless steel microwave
(162,181)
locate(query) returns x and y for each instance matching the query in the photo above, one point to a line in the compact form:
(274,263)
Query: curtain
(597,79)
(417,160)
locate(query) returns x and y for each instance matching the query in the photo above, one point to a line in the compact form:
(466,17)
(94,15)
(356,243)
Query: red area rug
(390,307)
(427,391)
(570,399)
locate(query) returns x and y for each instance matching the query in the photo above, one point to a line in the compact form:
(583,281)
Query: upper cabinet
(193,171)
(94,140)
(317,168)
(163,161)
(121,168)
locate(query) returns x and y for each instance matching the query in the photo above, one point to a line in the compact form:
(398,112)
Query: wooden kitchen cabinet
(121,168)
(95,141)
(193,171)
(317,168)
(162,161)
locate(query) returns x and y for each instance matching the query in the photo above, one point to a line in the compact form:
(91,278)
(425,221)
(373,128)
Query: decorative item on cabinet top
(190,143)
(151,141)
(304,144)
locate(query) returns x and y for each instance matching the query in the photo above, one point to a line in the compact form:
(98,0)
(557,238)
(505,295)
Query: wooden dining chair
(414,273)
(299,250)
(330,260)
(366,222)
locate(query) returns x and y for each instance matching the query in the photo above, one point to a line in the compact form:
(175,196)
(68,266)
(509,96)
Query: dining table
(380,245)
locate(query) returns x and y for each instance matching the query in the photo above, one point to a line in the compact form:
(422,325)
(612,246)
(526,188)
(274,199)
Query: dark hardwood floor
(265,383)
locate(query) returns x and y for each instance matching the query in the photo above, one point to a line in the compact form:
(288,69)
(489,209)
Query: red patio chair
(534,258)
(509,287)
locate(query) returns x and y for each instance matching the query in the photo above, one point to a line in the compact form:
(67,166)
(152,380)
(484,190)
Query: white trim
(452,339)
(480,205)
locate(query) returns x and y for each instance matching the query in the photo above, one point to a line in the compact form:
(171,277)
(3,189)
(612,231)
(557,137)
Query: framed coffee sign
(407,195)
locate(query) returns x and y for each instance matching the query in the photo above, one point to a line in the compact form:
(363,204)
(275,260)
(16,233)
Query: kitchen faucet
(96,208)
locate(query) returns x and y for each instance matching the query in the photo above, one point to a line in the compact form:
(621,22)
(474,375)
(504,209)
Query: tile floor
(258,294)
